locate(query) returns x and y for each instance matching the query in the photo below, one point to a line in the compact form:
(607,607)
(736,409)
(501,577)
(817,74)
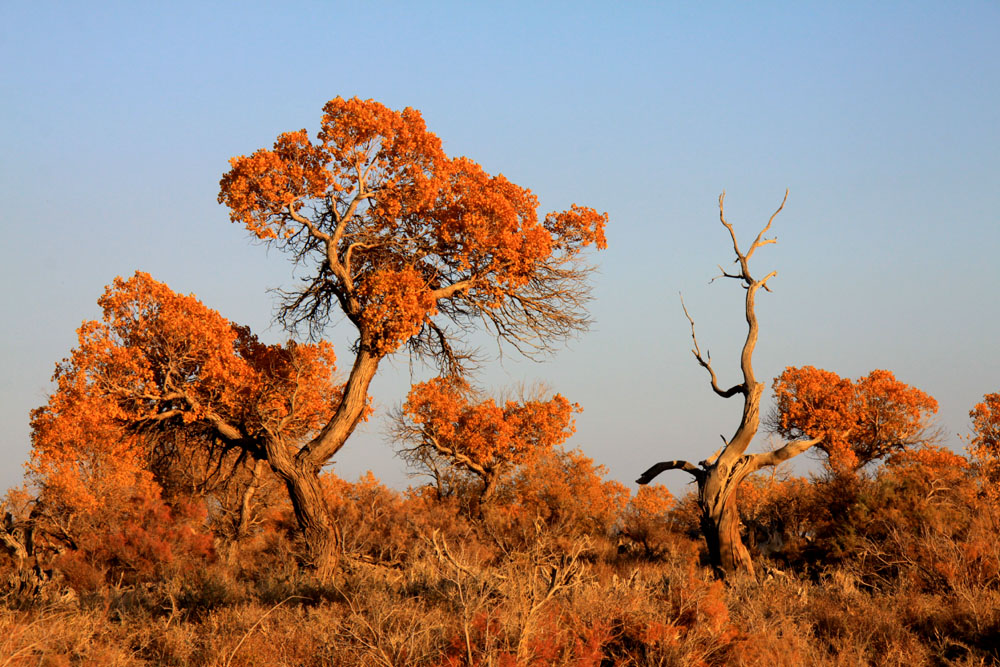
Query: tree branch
(759,241)
(686,466)
(707,365)
(789,450)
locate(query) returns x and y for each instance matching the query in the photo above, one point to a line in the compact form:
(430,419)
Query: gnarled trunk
(720,523)
(312,513)
(299,470)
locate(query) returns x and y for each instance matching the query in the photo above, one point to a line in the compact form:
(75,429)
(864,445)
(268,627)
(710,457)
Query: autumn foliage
(984,445)
(165,395)
(861,421)
(399,234)
(445,428)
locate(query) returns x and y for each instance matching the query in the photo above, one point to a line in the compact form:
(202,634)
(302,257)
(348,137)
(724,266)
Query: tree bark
(720,523)
(246,501)
(312,513)
(300,472)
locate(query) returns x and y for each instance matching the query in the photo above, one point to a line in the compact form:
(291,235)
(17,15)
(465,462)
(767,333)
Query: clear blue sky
(882,119)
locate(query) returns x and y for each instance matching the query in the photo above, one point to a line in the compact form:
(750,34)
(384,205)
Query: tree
(162,378)
(446,424)
(860,422)
(720,475)
(412,247)
(984,447)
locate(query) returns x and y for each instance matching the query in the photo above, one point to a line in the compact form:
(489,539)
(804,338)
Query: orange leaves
(862,421)
(578,227)
(398,233)
(984,447)
(259,189)
(986,426)
(160,367)
(485,434)
(395,304)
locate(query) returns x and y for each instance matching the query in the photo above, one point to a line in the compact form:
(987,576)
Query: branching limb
(686,466)
(711,459)
(760,240)
(707,363)
(789,450)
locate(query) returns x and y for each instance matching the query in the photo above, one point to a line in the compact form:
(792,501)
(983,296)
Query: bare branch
(307,223)
(711,459)
(789,450)
(686,466)
(760,240)
(725,274)
(707,364)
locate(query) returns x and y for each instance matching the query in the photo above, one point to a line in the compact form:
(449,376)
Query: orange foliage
(140,540)
(445,417)
(160,371)
(984,447)
(564,492)
(395,227)
(648,519)
(862,421)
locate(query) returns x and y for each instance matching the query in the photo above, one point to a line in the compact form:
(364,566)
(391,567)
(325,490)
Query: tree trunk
(300,470)
(487,495)
(312,513)
(720,523)
(246,501)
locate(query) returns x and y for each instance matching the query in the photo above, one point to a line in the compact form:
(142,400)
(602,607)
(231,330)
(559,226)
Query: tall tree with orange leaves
(163,376)
(411,246)
(445,423)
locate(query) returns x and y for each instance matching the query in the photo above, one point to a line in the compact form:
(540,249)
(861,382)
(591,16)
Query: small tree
(446,427)
(720,475)
(413,248)
(984,447)
(162,381)
(862,421)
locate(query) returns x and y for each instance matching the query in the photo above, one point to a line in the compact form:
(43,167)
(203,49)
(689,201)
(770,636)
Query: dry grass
(426,586)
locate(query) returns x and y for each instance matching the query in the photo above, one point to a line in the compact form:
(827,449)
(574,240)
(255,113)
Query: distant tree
(413,248)
(163,384)
(446,427)
(860,422)
(984,447)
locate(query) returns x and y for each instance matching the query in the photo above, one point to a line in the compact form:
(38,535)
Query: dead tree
(720,475)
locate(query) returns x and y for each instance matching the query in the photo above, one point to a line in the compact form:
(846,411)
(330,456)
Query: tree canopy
(446,423)
(162,376)
(861,421)
(403,239)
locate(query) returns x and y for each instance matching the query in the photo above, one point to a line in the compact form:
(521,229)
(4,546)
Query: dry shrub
(61,636)
(648,522)
(150,542)
(563,493)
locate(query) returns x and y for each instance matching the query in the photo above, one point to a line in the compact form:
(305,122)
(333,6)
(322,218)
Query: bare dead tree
(720,475)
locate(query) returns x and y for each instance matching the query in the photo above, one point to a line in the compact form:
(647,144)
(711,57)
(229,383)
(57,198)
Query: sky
(880,118)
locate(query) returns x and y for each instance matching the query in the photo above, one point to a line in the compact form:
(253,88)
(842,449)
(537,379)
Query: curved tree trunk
(312,513)
(720,524)
(300,470)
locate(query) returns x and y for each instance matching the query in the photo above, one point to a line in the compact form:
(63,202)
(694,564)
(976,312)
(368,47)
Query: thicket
(899,565)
